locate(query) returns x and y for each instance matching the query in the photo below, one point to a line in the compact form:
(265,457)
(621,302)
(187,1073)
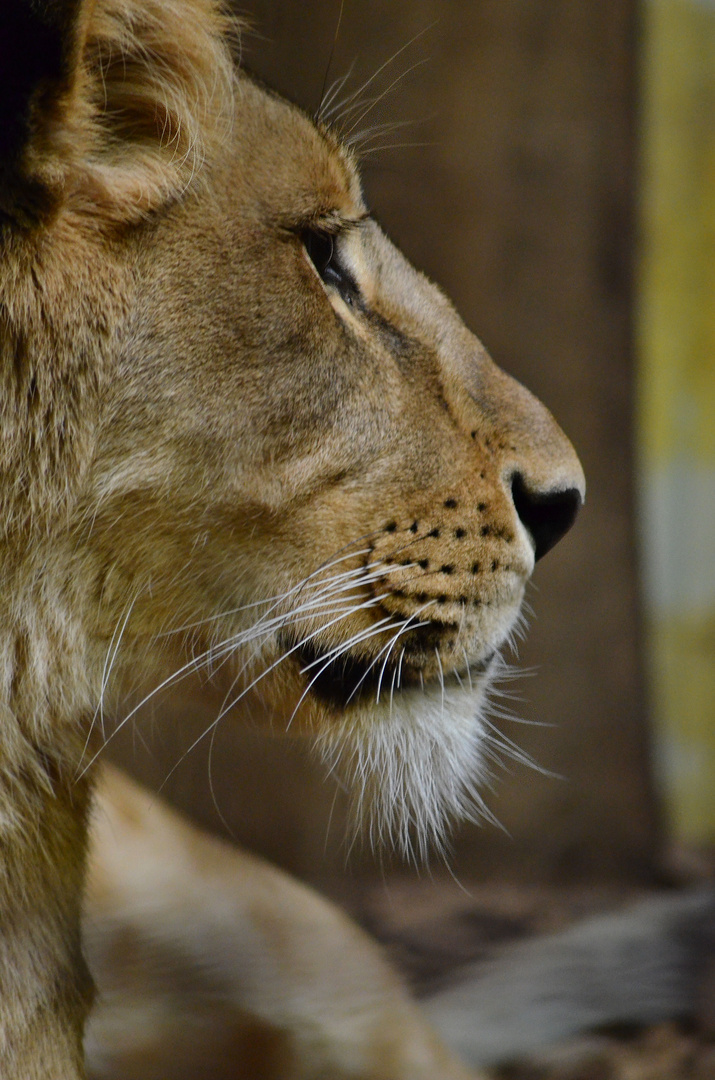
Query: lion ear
(109,105)
(37,43)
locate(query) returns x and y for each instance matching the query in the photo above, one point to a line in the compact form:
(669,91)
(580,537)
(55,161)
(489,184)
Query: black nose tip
(547,515)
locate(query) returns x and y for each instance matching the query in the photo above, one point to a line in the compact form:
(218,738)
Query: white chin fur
(413,765)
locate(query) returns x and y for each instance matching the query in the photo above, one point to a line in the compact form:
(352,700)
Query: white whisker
(399,667)
(368,82)
(441,677)
(378,629)
(263,627)
(341,556)
(332,93)
(386,91)
(469,670)
(392,687)
(394,146)
(403,628)
(109,662)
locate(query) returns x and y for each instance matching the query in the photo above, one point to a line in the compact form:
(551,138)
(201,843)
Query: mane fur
(110,112)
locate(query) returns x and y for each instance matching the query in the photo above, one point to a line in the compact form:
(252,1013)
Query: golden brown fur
(200,432)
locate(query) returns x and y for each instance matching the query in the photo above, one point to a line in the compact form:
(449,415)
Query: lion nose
(546,515)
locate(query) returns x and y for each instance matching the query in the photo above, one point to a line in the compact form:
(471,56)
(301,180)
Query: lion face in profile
(283,451)
(319,470)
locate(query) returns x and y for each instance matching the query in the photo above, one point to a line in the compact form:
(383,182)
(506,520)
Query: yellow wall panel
(676,326)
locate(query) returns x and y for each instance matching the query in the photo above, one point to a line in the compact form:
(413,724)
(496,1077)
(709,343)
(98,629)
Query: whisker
(253,683)
(386,63)
(345,646)
(441,677)
(228,647)
(109,661)
(330,57)
(392,685)
(343,613)
(399,668)
(371,106)
(395,146)
(405,626)
(212,789)
(274,601)
(335,89)
(361,138)
(319,603)
(469,670)
(363,637)
(375,628)
(390,644)
(349,109)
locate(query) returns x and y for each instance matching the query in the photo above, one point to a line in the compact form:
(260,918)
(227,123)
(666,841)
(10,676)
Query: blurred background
(556,175)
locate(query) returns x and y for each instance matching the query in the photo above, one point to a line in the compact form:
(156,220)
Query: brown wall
(520,206)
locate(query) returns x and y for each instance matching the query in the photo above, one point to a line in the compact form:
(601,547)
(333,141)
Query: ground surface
(430,930)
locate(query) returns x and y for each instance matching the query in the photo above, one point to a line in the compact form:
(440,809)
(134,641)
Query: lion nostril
(547,515)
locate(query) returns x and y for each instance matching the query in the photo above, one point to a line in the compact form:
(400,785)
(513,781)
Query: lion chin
(412,750)
(413,762)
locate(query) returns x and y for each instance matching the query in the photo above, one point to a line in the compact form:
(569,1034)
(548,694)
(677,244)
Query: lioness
(237,426)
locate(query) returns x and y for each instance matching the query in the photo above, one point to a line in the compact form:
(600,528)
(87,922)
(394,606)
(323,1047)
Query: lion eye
(322,252)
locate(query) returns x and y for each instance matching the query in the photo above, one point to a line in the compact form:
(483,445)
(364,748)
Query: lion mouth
(345,680)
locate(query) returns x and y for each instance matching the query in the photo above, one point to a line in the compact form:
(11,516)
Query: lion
(238,428)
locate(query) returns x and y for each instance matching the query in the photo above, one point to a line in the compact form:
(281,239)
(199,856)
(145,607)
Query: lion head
(245,429)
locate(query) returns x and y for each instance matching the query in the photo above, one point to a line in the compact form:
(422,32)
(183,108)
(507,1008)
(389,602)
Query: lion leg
(45,988)
(210,962)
